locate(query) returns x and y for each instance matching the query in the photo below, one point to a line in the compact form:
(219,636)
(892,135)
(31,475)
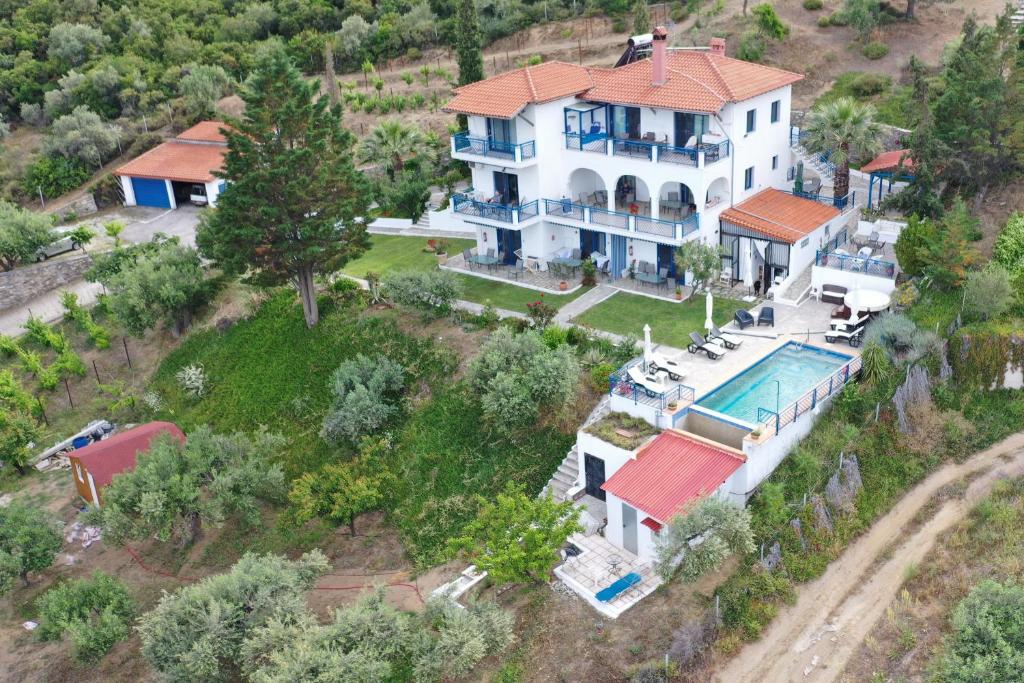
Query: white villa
(627,163)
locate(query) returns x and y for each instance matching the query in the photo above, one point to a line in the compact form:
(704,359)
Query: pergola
(888,166)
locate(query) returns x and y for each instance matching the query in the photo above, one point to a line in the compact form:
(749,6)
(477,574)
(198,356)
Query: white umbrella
(709,307)
(648,349)
(748,265)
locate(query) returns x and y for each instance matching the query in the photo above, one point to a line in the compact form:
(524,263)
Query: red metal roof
(652,524)
(671,471)
(780,214)
(205,131)
(104,459)
(889,161)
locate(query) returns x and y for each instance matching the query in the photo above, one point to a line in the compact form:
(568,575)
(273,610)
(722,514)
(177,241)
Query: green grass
(894,103)
(390,253)
(509,296)
(671,323)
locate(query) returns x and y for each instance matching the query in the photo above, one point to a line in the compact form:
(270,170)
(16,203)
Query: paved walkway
(46,306)
(586,301)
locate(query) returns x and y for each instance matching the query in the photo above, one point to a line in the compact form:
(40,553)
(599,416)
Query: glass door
(501,134)
(506,186)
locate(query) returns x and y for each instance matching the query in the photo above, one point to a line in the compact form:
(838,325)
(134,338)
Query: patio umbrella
(748,266)
(798,183)
(709,307)
(648,349)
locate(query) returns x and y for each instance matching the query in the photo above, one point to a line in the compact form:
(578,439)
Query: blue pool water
(797,368)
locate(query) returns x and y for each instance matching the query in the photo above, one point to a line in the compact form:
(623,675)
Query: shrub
(599,375)
(433,292)
(902,340)
(554,336)
(192,380)
(74,311)
(875,50)
(54,176)
(813,4)
(869,83)
(144,143)
(824,22)
(96,612)
(988,635)
(987,293)
(540,313)
(1009,247)
(838,19)
(751,47)
(618,24)
(365,392)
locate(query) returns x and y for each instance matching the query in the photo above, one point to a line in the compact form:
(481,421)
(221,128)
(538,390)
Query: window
(776,110)
(775,162)
(748,178)
(751,120)
(806,241)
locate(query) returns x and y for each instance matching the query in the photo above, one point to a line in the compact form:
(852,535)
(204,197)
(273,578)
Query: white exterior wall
(213,191)
(129,191)
(757,148)
(832,276)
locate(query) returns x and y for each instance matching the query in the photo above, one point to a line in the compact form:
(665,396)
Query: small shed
(169,174)
(94,466)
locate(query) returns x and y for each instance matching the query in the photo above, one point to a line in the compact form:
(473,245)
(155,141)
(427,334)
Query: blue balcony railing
(852,263)
(627,222)
(684,156)
(502,213)
(704,154)
(633,148)
(465,143)
(844,203)
(715,152)
(587,142)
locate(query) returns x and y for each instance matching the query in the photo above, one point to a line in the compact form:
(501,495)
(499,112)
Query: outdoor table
(651,278)
(613,563)
(866,300)
(573,263)
(489,261)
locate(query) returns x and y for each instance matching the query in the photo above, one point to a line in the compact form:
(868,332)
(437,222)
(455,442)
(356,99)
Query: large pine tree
(293,192)
(467,43)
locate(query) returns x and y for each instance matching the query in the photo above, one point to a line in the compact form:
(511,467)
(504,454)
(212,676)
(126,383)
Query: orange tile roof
(505,95)
(672,471)
(175,160)
(889,161)
(204,131)
(779,214)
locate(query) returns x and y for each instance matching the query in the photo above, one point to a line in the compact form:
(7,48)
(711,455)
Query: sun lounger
(731,341)
(672,365)
(698,344)
(620,586)
(651,386)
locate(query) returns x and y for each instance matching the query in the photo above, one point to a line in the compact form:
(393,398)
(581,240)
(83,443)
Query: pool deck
(805,323)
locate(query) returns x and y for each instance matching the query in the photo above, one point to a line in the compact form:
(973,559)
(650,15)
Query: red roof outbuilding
(104,459)
(780,215)
(670,472)
(889,161)
(192,157)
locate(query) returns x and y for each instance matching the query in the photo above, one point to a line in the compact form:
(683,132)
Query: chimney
(718,46)
(659,56)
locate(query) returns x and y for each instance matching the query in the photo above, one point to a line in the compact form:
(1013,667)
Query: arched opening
(632,196)
(717,194)
(675,202)
(587,187)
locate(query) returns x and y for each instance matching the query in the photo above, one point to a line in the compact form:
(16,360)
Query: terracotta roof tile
(780,215)
(205,131)
(104,459)
(671,471)
(505,95)
(889,161)
(186,162)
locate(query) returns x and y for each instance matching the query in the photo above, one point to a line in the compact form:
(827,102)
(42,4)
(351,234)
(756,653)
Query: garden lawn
(390,253)
(671,323)
(511,297)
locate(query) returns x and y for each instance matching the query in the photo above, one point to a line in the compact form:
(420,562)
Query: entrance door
(689,125)
(667,259)
(509,242)
(626,122)
(501,134)
(507,186)
(629,528)
(618,256)
(593,469)
(591,241)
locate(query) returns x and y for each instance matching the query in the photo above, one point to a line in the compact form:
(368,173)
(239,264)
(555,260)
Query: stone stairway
(424,222)
(1017,18)
(568,473)
(824,169)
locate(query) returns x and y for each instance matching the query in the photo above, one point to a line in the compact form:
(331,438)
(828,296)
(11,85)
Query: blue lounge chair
(743,318)
(616,589)
(766,316)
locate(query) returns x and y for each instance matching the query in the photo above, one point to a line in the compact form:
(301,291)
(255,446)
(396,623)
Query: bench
(833,294)
(616,589)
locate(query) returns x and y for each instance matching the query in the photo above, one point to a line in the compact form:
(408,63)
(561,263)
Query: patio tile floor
(590,571)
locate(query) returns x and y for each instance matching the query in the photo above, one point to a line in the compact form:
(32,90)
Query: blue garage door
(149,192)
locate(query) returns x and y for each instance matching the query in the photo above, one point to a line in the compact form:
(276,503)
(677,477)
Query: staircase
(424,222)
(825,169)
(1017,19)
(568,473)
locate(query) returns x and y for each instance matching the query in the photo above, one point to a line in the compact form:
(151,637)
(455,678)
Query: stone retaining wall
(24,284)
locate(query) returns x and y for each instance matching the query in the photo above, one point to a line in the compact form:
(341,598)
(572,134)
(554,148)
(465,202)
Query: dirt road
(812,640)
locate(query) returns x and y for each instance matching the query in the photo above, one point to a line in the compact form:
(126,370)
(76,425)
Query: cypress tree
(467,43)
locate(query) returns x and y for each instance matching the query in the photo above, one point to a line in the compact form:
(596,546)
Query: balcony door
(626,122)
(502,134)
(592,241)
(509,242)
(689,126)
(506,186)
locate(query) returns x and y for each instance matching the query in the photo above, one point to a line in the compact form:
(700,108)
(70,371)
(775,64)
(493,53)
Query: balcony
(624,222)
(845,203)
(698,156)
(853,263)
(509,214)
(472,145)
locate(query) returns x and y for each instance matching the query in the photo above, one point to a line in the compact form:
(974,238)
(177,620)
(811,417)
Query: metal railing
(613,219)
(684,156)
(844,203)
(655,226)
(529,210)
(565,208)
(839,240)
(628,222)
(619,384)
(690,224)
(771,422)
(489,147)
(503,213)
(587,142)
(855,264)
(715,152)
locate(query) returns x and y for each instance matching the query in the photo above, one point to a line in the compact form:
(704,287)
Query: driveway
(180,223)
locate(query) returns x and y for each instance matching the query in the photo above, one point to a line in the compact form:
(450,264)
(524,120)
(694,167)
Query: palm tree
(390,144)
(840,129)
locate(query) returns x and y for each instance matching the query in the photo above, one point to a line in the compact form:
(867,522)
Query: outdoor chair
(576,254)
(670,365)
(491,253)
(649,383)
(663,275)
(517,269)
(730,341)
(766,316)
(874,241)
(467,256)
(743,318)
(606,268)
(699,344)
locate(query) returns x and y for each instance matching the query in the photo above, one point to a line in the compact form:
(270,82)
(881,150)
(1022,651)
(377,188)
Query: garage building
(175,171)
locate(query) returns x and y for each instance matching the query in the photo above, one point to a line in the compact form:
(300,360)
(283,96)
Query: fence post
(96,370)
(67,387)
(124,343)
(42,411)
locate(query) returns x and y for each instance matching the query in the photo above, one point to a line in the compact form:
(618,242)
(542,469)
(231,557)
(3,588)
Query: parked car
(64,244)
(197,195)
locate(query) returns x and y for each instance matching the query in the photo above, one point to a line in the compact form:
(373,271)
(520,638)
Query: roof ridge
(714,67)
(703,85)
(529,82)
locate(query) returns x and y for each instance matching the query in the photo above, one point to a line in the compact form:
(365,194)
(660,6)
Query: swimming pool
(777,379)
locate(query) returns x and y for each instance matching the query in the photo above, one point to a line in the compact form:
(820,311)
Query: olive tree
(82,135)
(366,391)
(29,540)
(22,233)
(202,85)
(74,44)
(699,540)
(987,642)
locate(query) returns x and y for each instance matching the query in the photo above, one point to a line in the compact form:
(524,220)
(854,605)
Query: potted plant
(589,270)
(679,293)
(672,405)
(441,249)
(563,285)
